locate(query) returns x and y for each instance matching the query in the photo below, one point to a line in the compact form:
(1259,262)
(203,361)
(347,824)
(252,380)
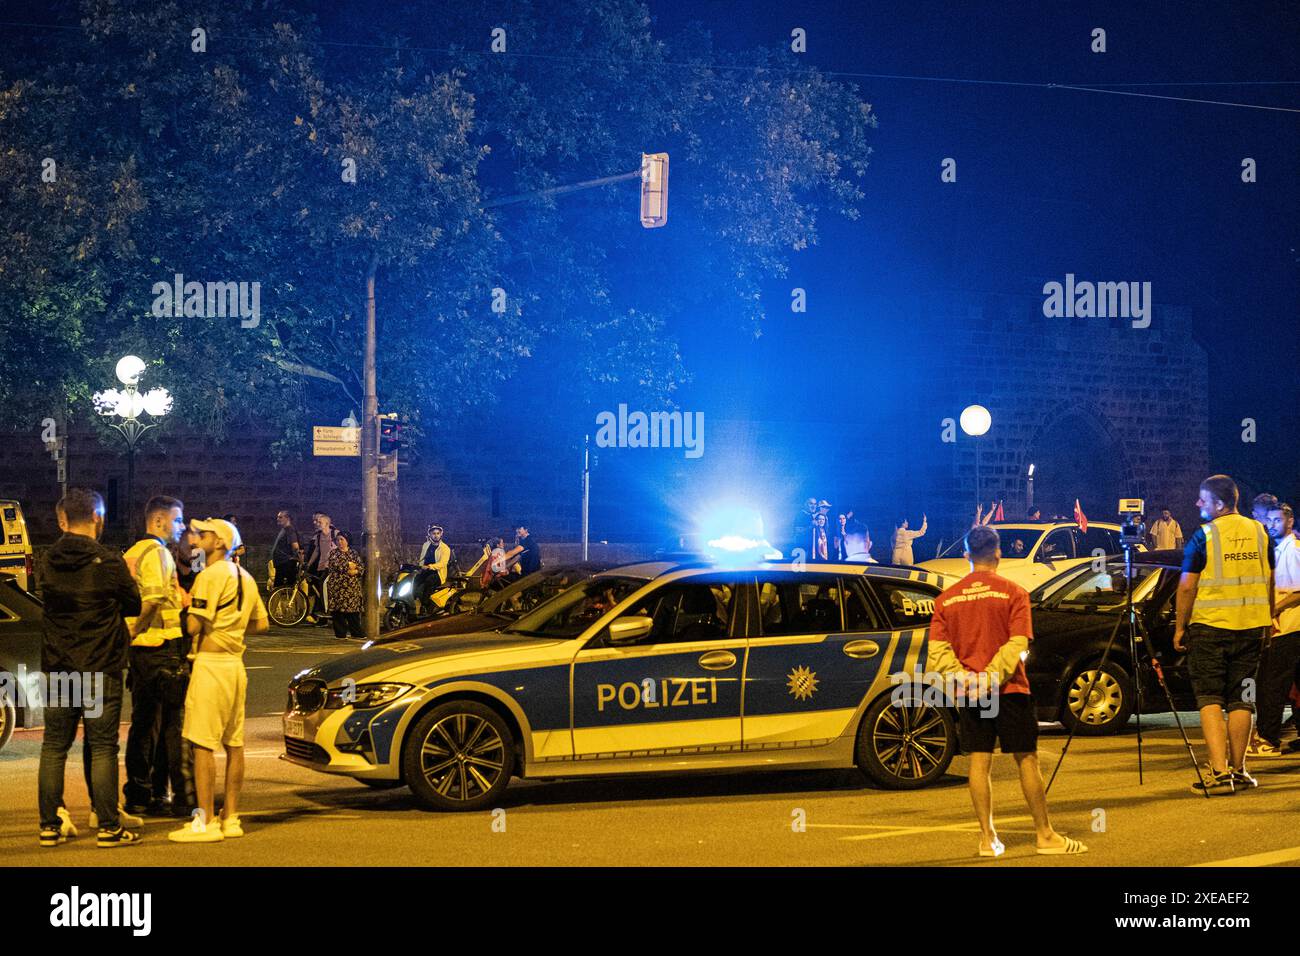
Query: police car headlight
(365,695)
(404,588)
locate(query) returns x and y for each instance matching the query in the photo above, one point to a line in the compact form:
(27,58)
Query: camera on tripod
(1132,531)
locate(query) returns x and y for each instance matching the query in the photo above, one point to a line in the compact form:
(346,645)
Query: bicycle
(288,605)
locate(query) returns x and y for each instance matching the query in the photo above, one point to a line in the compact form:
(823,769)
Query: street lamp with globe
(125,407)
(975,421)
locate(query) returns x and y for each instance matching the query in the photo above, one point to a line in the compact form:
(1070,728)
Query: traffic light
(390,436)
(654,189)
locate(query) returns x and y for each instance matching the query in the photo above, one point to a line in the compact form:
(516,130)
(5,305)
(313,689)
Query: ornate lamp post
(128,404)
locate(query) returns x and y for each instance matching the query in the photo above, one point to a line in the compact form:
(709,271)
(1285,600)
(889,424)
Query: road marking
(1258,859)
(896,830)
(259,667)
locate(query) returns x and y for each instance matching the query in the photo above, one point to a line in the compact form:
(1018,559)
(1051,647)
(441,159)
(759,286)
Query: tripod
(1135,640)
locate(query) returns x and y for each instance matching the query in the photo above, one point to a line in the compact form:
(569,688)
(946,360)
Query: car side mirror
(628,629)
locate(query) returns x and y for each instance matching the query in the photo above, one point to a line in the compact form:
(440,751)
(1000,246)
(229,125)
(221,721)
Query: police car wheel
(1106,709)
(903,747)
(459,756)
(8,719)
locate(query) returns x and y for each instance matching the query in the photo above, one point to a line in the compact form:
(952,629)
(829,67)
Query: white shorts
(214,703)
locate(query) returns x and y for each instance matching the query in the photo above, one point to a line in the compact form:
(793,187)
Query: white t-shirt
(216,597)
(1286,578)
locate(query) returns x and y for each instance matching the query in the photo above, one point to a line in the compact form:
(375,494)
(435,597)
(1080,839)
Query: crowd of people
(1237,619)
(847,539)
(174,639)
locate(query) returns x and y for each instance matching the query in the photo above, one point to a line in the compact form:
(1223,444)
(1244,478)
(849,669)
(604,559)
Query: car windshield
(529,592)
(1092,588)
(1016,543)
(572,611)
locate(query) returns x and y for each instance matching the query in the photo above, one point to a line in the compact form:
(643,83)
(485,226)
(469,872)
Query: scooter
(444,601)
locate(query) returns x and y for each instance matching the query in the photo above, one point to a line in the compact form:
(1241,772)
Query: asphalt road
(295,817)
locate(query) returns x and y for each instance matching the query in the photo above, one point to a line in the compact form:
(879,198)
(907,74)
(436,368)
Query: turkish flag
(999,516)
(1080,518)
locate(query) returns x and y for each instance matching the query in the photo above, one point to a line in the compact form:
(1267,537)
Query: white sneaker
(232,827)
(68,829)
(196,832)
(124,819)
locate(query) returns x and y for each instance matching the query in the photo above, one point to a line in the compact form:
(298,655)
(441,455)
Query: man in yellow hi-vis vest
(1225,611)
(159,671)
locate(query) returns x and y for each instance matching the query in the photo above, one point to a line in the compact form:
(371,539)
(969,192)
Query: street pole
(130,488)
(979,499)
(586,490)
(370,462)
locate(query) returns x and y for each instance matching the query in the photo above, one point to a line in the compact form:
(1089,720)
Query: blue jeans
(101,738)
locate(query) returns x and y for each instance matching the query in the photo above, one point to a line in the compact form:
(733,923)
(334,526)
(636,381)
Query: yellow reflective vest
(1232,591)
(154,570)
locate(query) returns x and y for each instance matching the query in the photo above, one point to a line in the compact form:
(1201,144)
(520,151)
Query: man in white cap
(224,607)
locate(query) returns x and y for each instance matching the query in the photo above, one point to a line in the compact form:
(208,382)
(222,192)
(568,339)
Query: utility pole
(370,462)
(586,490)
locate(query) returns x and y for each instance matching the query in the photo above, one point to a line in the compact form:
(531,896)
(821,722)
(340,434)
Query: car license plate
(293,727)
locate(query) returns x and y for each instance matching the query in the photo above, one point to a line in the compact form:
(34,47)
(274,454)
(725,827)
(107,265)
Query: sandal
(995,850)
(1070,847)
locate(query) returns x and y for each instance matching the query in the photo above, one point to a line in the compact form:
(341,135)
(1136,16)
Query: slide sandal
(1069,848)
(997,849)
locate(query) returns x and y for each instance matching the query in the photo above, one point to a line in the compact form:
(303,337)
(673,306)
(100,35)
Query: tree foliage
(227,165)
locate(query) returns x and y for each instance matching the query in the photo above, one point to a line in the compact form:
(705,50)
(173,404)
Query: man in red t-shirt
(980,635)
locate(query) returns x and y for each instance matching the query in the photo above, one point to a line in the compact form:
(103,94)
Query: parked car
(1034,552)
(1074,615)
(500,608)
(20,658)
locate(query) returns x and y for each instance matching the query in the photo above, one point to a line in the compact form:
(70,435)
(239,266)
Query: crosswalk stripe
(1258,859)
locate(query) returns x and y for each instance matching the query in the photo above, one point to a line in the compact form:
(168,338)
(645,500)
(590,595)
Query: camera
(1132,530)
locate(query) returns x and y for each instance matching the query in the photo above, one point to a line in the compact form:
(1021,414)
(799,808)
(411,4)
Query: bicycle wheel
(287,606)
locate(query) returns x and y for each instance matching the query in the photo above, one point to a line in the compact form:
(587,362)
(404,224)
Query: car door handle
(717,660)
(862,649)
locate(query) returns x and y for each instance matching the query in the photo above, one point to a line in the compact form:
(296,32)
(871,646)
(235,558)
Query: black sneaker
(137,809)
(158,807)
(1216,784)
(52,836)
(119,837)
(1243,780)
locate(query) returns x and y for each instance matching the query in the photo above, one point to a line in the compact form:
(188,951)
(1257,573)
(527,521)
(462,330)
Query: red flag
(1080,518)
(999,516)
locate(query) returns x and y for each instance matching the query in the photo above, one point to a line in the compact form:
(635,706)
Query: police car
(644,668)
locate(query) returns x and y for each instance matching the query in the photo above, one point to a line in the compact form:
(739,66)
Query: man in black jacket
(88,593)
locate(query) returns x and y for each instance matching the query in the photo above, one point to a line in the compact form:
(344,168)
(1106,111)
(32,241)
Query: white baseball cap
(222,528)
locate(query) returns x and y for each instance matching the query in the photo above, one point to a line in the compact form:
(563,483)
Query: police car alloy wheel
(906,745)
(459,756)
(1104,711)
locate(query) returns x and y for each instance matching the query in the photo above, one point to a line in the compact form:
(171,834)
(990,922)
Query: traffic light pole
(370,463)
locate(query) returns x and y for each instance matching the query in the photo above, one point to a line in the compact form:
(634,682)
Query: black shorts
(1222,664)
(1015,725)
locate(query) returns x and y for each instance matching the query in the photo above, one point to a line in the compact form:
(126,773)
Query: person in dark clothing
(527,549)
(88,593)
(286,552)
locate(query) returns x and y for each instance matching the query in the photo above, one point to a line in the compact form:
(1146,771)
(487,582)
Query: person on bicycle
(435,563)
(286,552)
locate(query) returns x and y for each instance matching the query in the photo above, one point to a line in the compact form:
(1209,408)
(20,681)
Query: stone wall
(1102,409)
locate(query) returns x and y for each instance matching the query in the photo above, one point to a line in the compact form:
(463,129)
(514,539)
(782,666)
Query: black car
(501,607)
(1074,615)
(20,658)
